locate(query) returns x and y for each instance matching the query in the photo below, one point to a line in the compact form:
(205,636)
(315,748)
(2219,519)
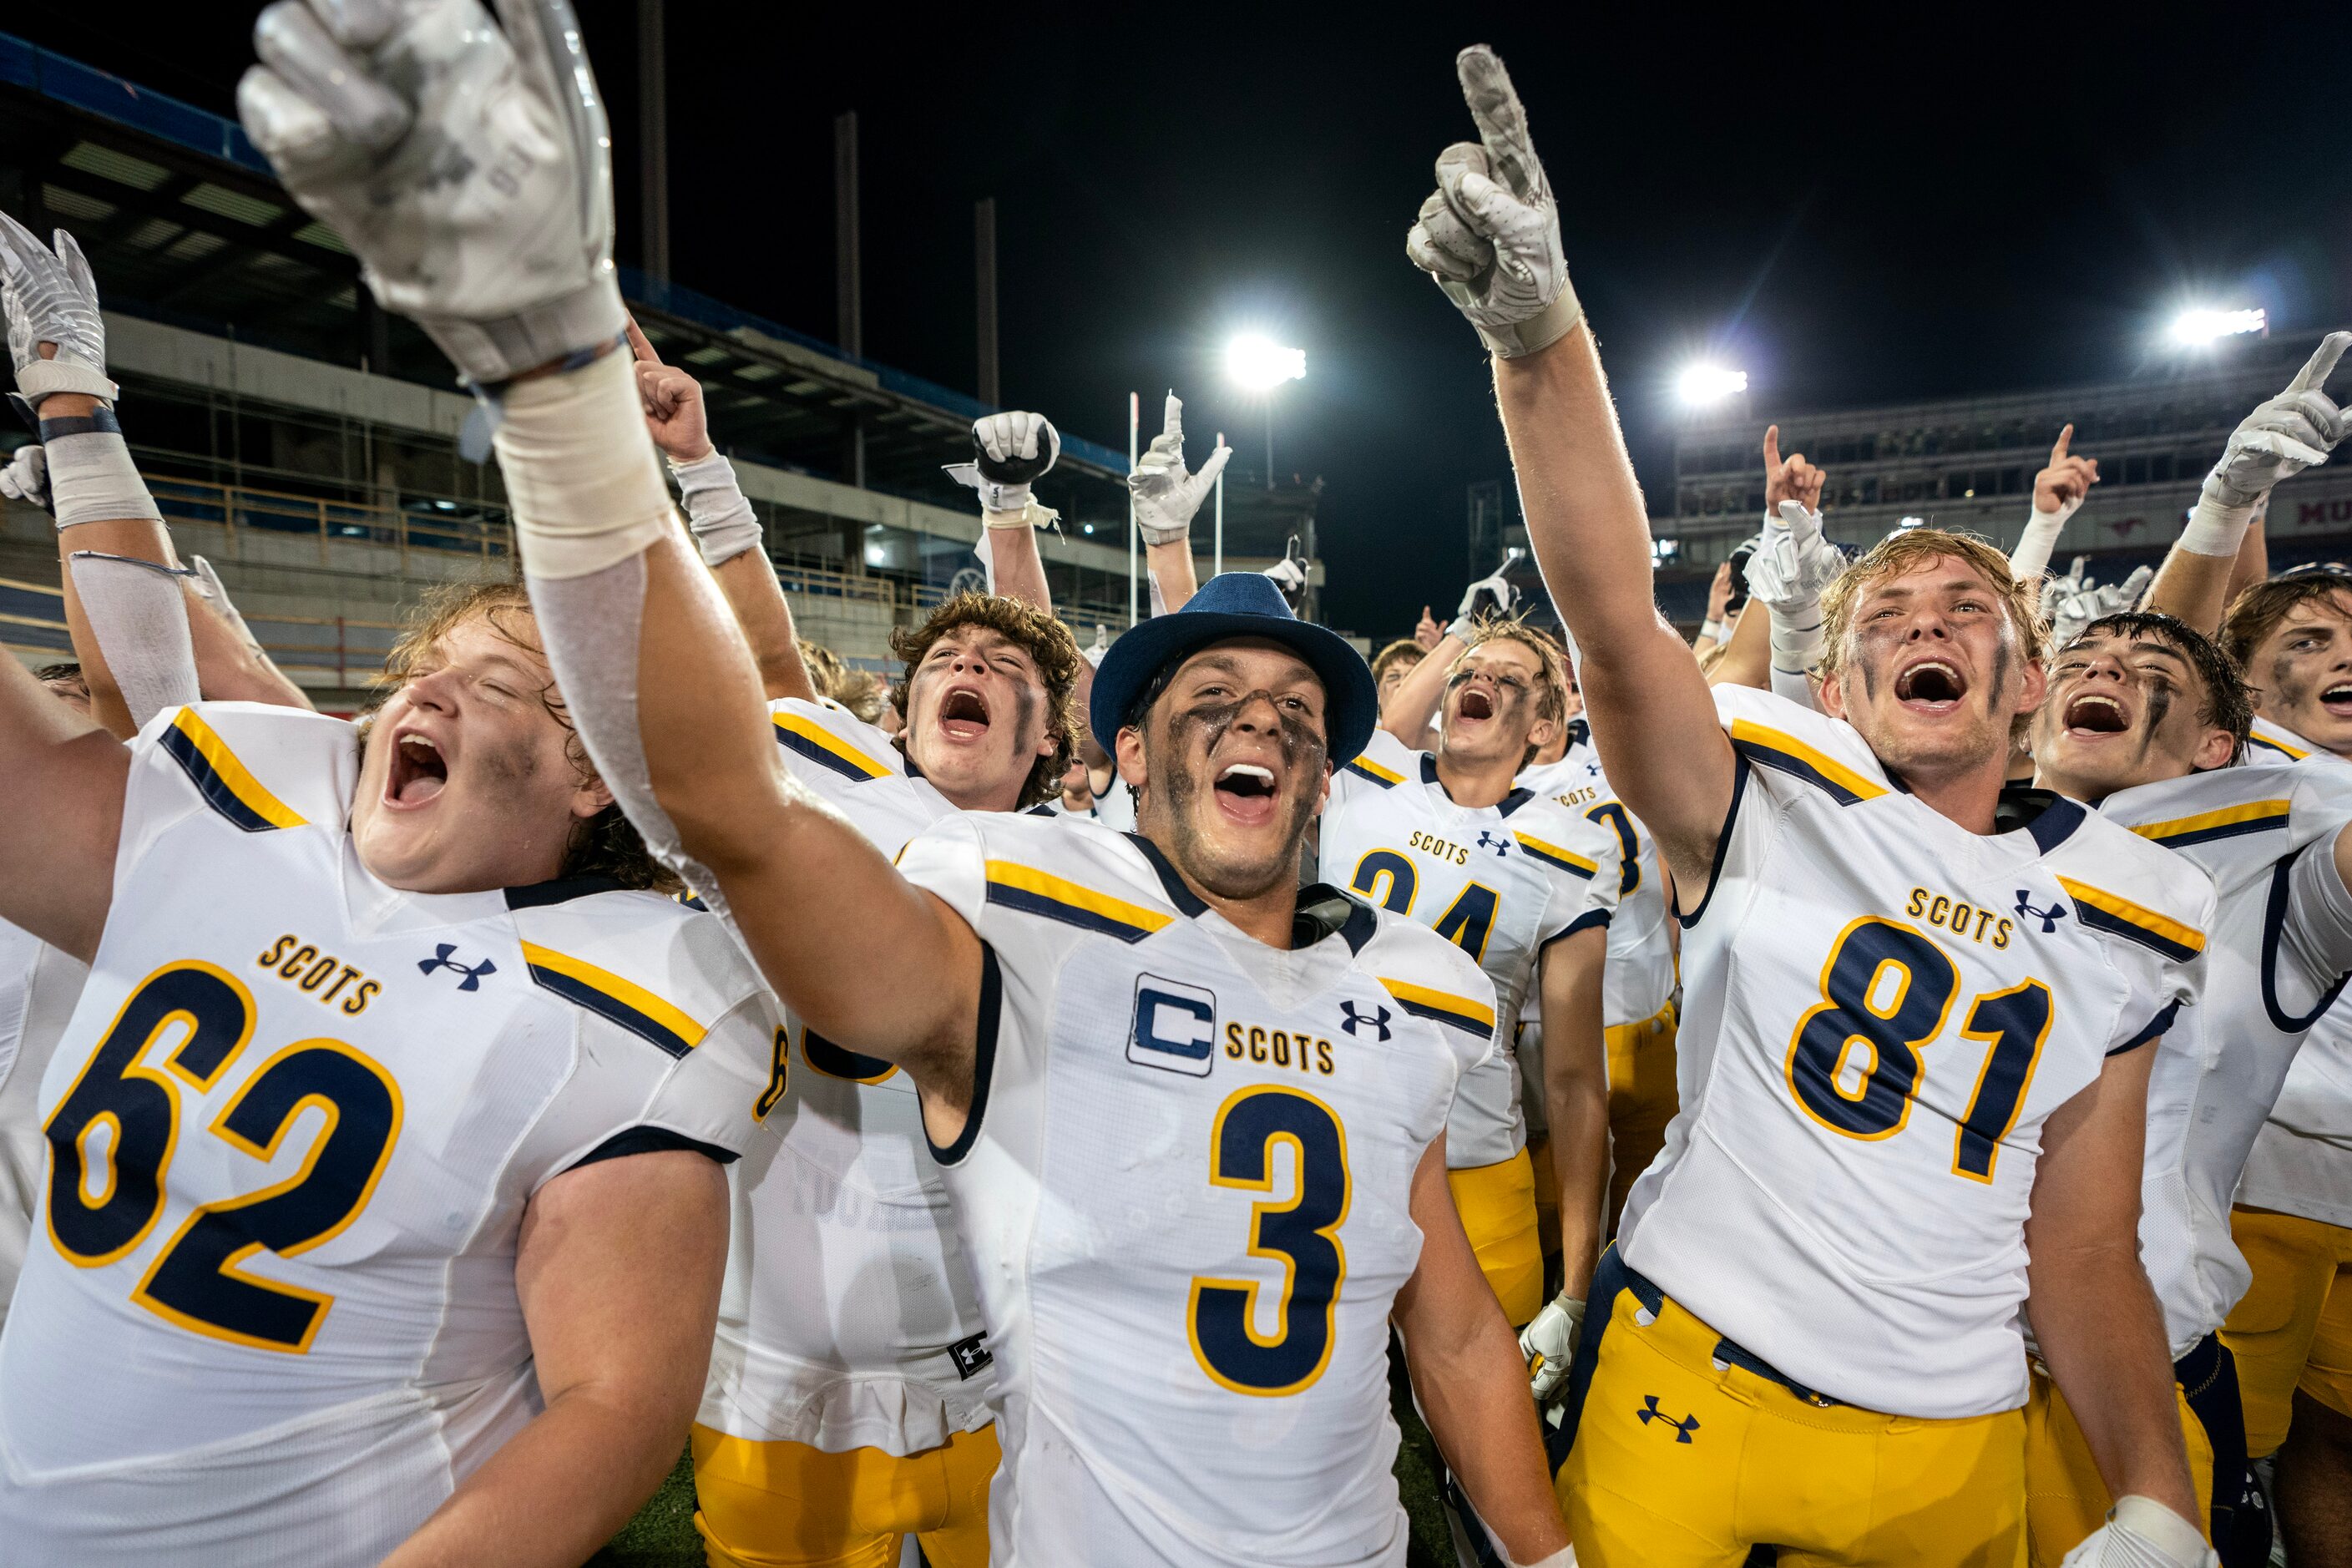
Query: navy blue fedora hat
(1231,606)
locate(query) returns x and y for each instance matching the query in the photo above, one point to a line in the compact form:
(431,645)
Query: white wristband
(2215,526)
(1028,514)
(2031,556)
(582,483)
(1714,630)
(93,479)
(723,522)
(44,377)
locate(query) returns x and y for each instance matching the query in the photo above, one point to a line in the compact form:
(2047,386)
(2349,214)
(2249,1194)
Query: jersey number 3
(196,1281)
(1300,1232)
(1887,991)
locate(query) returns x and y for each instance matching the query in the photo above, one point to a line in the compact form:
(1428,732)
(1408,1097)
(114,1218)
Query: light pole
(1256,365)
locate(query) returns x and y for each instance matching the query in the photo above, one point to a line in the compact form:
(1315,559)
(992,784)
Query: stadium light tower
(2196,328)
(1701,384)
(1259,366)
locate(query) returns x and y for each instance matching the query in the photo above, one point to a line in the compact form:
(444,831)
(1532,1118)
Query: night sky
(1853,208)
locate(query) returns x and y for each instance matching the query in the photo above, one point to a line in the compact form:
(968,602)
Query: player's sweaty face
(466,784)
(976,718)
(1235,765)
(2122,710)
(2301,672)
(1491,696)
(1934,672)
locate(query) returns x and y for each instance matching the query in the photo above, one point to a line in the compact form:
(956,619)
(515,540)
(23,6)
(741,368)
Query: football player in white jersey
(2143,718)
(1524,886)
(1914,1090)
(847,1401)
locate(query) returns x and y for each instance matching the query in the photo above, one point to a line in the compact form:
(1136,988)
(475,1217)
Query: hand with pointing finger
(2292,432)
(1166,496)
(2061,486)
(1428,633)
(1793,479)
(1490,234)
(673,403)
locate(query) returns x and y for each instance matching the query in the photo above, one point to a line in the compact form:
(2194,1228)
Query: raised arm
(1793,565)
(1413,707)
(1491,237)
(1166,498)
(2058,490)
(513,280)
(2292,432)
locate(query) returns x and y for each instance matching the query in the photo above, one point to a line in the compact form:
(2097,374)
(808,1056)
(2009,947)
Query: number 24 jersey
(1881,1010)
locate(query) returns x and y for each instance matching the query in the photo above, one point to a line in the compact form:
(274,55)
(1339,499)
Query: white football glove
(1009,451)
(1166,496)
(467,164)
(2292,432)
(1094,655)
(1490,234)
(2141,1532)
(1497,588)
(51,297)
(1289,574)
(1792,563)
(1549,1341)
(2070,603)
(26,477)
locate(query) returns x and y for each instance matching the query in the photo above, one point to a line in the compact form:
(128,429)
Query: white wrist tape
(1028,514)
(139,615)
(1170,533)
(1715,629)
(582,482)
(1796,635)
(91,476)
(45,376)
(2177,1539)
(2216,527)
(2031,556)
(723,522)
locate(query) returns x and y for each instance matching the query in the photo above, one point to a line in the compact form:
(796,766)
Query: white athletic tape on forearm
(44,377)
(1796,635)
(1028,514)
(2216,527)
(92,478)
(139,614)
(723,522)
(2031,556)
(1159,599)
(582,482)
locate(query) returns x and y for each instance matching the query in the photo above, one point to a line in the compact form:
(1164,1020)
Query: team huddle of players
(1868,1089)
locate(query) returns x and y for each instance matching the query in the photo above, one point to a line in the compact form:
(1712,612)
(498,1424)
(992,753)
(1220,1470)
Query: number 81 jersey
(1881,1010)
(269,1313)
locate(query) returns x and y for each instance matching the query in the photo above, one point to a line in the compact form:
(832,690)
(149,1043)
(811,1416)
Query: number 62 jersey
(1881,1010)
(269,1313)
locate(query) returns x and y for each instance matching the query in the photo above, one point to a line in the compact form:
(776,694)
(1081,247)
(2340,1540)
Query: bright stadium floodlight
(1704,384)
(1262,365)
(2206,326)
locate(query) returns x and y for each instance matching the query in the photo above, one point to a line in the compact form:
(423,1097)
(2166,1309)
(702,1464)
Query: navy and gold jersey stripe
(2102,911)
(1443,1006)
(1035,892)
(2230,822)
(2281,747)
(1785,753)
(226,784)
(609,996)
(826,750)
(1567,860)
(1365,768)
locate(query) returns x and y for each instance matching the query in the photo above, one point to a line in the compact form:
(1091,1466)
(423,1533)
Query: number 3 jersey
(1881,1011)
(1500,881)
(1185,1182)
(848,1318)
(269,1315)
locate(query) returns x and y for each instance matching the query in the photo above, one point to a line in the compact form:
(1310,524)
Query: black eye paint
(1195,731)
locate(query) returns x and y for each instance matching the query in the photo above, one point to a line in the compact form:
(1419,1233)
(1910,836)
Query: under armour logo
(472,972)
(2049,917)
(1378,1018)
(1487,840)
(970,1356)
(1650,1412)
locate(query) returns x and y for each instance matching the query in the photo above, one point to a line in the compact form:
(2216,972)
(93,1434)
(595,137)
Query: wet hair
(1048,644)
(65,671)
(2263,608)
(1403,651)
(605,846)
(1551,691)
(2227,704)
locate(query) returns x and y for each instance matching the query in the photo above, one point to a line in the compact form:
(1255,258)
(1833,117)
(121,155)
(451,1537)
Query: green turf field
(662,1535)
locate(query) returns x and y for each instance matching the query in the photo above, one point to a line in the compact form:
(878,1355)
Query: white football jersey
(2269,975)
(848,1318)
(1880,1010)
(293,1127)
(1185,1181)
(1499,881)
(1115,807)
(38,986)
(2302,1160)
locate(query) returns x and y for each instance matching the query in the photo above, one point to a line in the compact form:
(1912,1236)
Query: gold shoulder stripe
(2102,911)
(1783,751)
(1566,859)
(226,785)
(1443,1006)
(2281,747)
(827,749)
(2228,821)
(1036,892)
(605,994)
(1385,777)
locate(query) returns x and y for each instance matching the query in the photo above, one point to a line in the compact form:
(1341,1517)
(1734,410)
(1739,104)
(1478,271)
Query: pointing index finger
(1502,122)
(1771,446)
(639,345)
(2315,369)
(2058,447)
